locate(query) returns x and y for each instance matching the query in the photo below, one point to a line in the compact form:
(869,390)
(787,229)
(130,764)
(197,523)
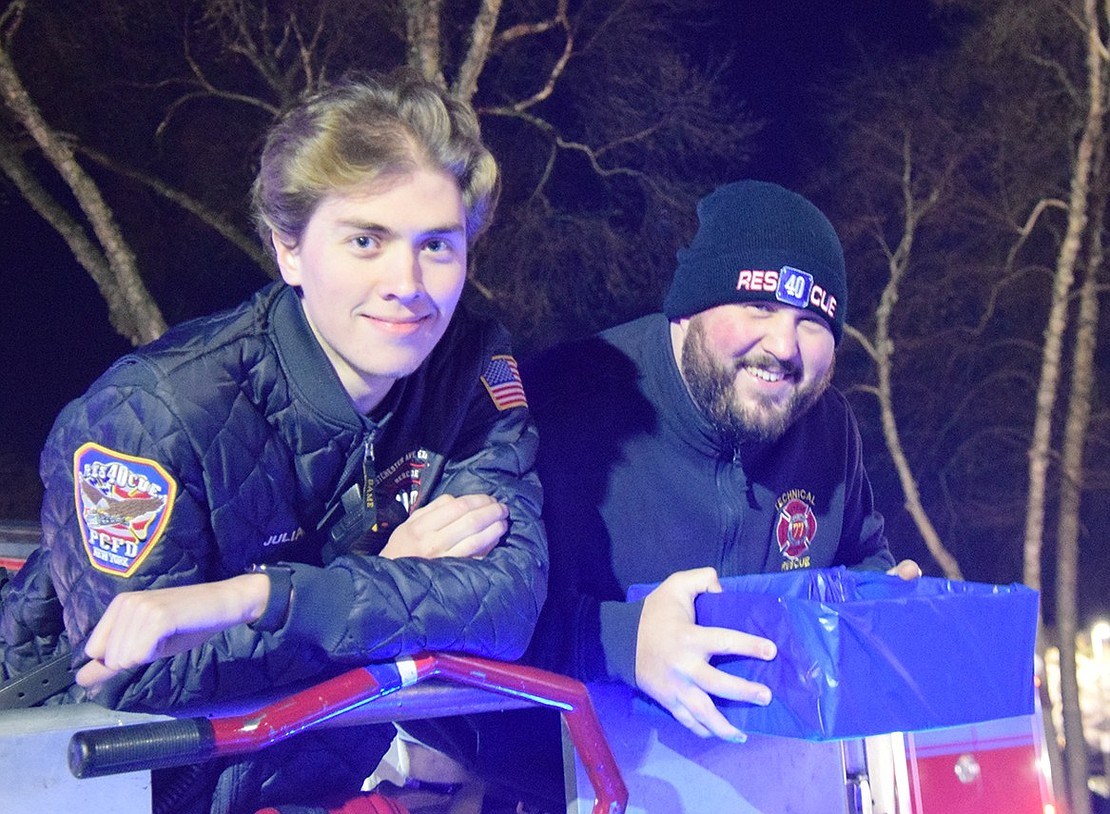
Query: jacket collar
(683,418)
(306,366)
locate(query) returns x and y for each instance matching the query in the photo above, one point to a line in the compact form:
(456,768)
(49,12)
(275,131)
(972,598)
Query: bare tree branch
(248,244)
(423,27)
(521,30)
(590,153)
(559,66)
(1077,424)
(84,250)
(913,211)
(130,303)
(481,38)
(1058,314)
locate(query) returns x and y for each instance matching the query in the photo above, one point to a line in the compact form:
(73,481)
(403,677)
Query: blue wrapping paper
(863,653)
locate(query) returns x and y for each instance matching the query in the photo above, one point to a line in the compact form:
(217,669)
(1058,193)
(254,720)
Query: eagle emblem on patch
(796,525)
(123,506)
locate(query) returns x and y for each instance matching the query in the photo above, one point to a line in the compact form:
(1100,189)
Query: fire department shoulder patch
(796,526)
(123,506)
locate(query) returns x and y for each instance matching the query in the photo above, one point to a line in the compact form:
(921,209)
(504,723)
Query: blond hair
(362,129)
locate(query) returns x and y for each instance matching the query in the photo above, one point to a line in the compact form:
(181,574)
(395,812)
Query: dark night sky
(57,333)
(55,322)
(58,337)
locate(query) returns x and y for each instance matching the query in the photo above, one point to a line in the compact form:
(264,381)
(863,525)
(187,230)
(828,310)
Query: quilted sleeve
(124,510)
(30,618)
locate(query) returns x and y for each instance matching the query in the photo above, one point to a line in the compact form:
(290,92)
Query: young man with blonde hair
(340,470)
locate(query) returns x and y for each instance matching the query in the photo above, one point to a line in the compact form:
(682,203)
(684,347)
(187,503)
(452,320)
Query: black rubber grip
(138,747)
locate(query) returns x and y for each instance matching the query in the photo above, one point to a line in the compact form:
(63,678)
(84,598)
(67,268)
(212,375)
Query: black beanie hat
(758,241)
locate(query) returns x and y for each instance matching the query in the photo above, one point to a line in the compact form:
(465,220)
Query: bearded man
(705,441)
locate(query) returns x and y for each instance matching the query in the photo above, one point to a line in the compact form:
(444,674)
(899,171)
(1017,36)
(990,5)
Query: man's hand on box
(906,569)
(449,526)
(673,652)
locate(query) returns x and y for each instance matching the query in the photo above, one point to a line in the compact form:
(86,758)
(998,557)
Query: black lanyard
(352,515)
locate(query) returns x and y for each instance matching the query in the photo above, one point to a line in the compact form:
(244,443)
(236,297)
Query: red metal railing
(161,744)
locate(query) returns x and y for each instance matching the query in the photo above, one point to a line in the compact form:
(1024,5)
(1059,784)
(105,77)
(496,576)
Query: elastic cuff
(620,626)
(281,593)
(322,603)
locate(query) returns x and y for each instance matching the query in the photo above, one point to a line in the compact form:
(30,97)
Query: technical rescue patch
(795,527)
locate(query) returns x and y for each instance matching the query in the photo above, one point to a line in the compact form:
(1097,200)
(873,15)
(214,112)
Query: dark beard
(711,386)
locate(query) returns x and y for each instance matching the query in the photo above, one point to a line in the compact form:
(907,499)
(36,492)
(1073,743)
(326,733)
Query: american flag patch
(502,379)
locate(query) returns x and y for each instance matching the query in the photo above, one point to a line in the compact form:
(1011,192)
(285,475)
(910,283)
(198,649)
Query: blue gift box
(863,653)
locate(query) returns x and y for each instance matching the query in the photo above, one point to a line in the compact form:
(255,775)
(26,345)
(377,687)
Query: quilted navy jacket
(230,442)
